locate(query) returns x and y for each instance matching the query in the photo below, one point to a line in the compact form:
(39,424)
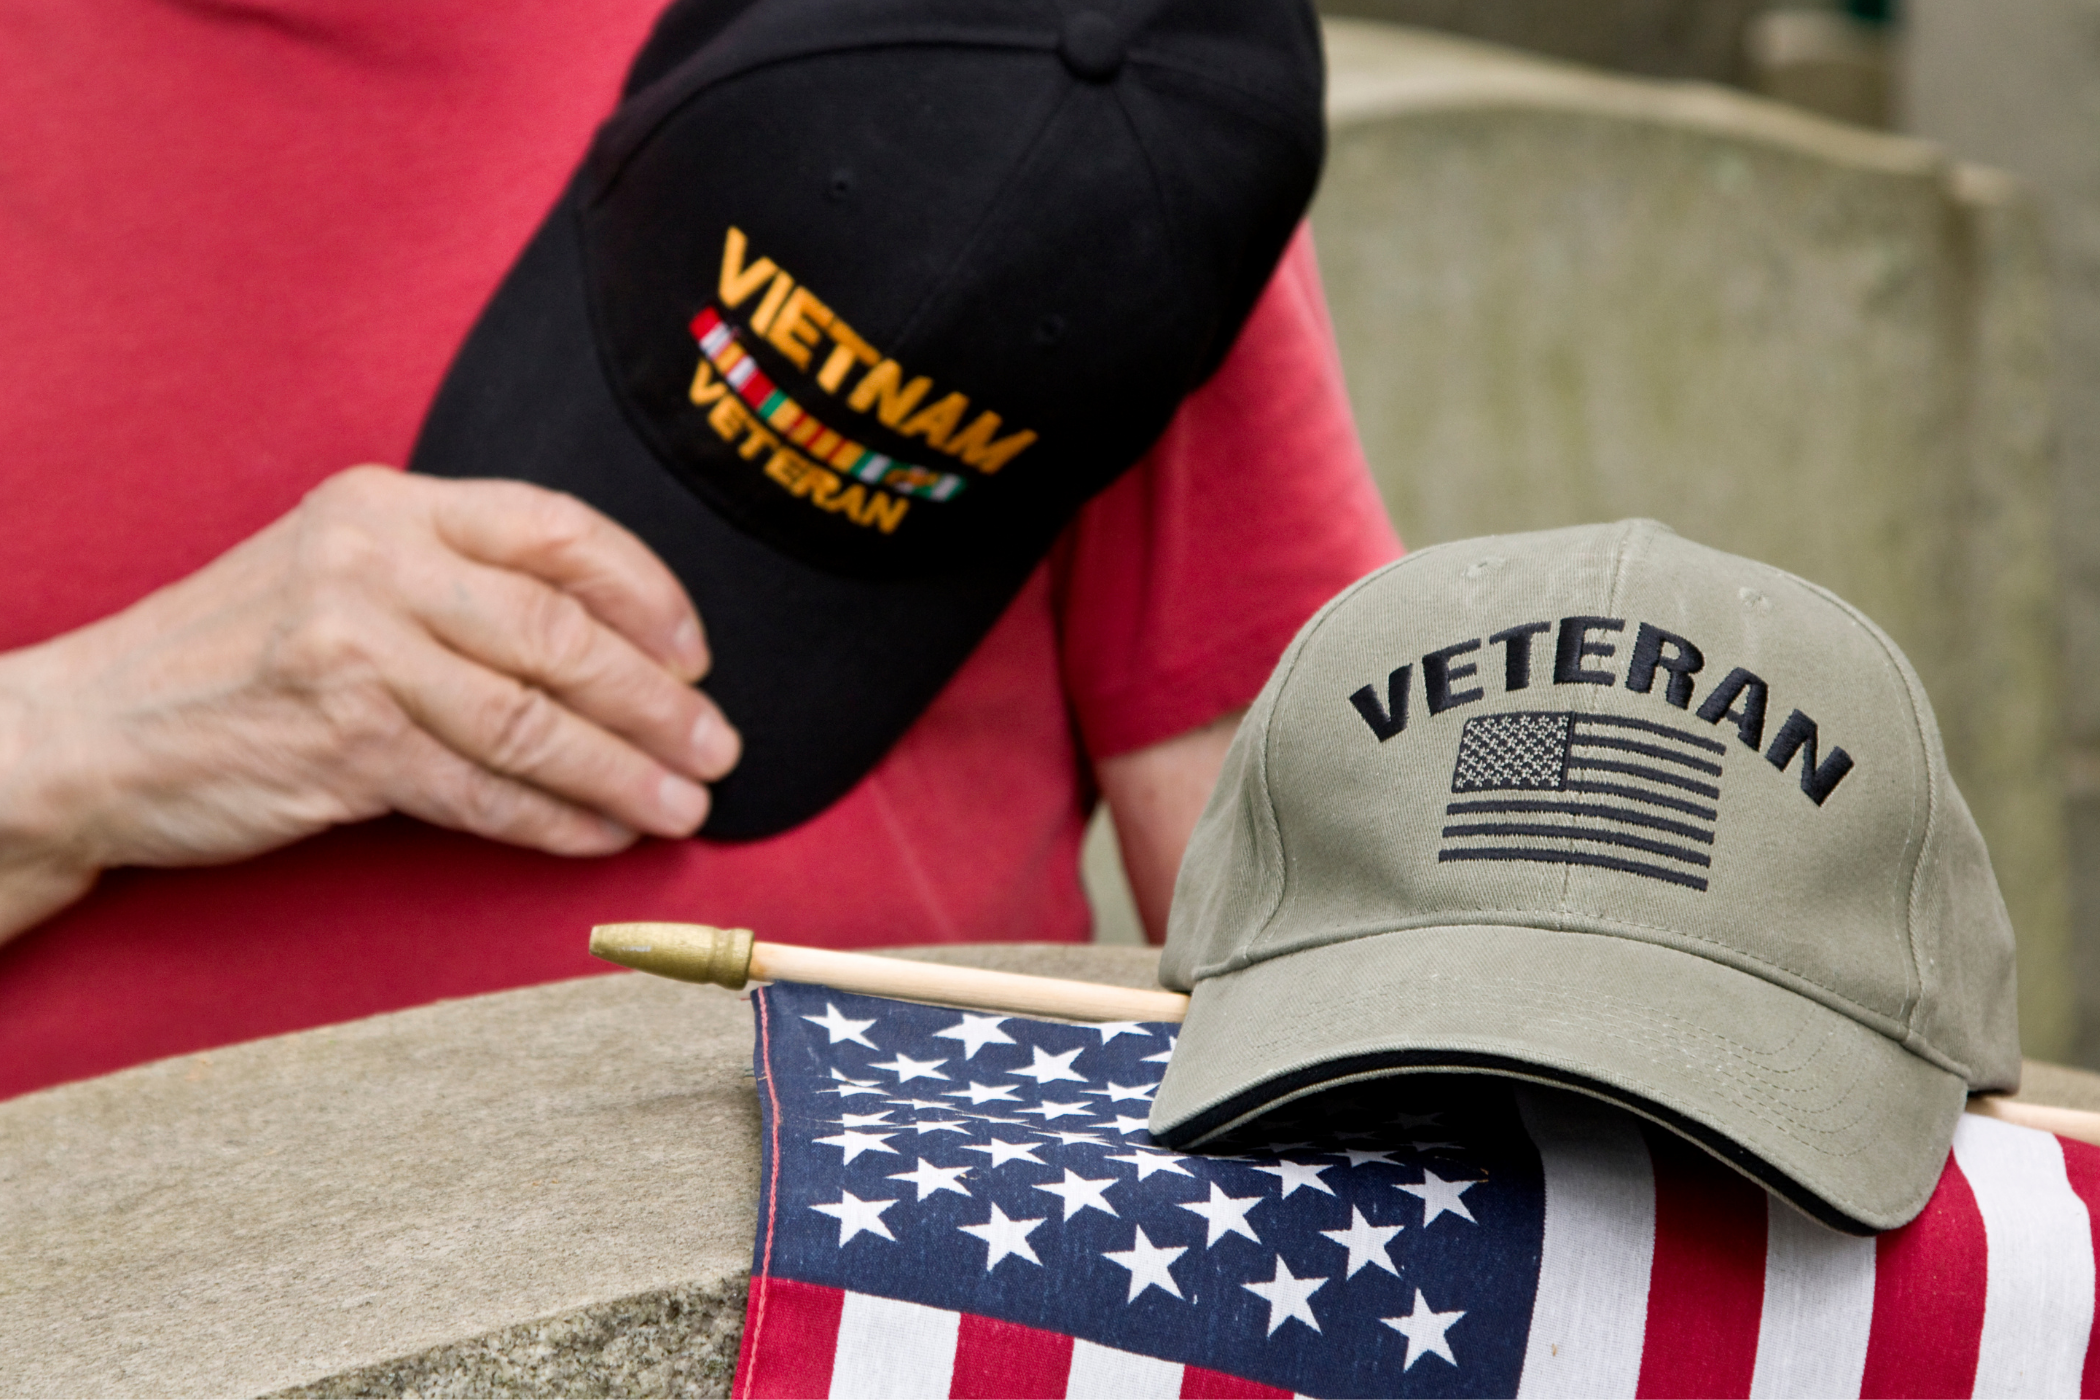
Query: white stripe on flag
(1104,1373)
(890,1350)
(2038,1292)
(1819,1308)
(1591,1313)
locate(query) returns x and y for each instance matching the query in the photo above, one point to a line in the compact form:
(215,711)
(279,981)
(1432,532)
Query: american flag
(969,1205)
(1568,789)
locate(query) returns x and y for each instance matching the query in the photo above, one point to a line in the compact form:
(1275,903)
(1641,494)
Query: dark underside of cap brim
(1830,1114)
(820,673)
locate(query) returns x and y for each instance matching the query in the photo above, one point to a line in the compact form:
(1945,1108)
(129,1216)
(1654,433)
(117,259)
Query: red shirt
(238,245)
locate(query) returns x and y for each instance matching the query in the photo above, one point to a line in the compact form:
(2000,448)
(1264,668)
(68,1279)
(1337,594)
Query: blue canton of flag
(994,1167)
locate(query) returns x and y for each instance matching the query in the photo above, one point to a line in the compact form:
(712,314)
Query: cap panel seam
(1923,836)
(1286,672)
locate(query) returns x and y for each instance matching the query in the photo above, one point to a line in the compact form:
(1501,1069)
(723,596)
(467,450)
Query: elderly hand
(484,655)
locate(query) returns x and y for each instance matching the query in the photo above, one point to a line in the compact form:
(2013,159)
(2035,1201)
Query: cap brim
(821,673)
(1837,1118)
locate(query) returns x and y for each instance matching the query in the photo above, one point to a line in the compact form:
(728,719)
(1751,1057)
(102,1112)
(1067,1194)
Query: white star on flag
(1225,1215)
(1358,1156)
(1424,1331)
(1129,1125)
(1111,1029)
(976,1032)
(1296,1174)
(854,1143)
(1066,1137)
(983,1093)
(849,1087)
(1439,1195)
(930,1178)
(1048,1068)
(1051,1111)
(1366,1243)
(1003,1237)
(928,1105)
(1004,1152)
(907,1069)
(934,1125)
(1287,1297)
(1080,1194)
(1123,1093)
(1149,1162)
(1150,1265)
(866,1120)
(1161,1058)
(840,1027)
(856,1215)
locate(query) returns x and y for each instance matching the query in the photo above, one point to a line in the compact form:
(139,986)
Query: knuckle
(558,635)
(523,727)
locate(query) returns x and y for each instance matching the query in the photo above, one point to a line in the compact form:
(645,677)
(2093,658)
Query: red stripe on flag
(995,1359)
(2082,1166)
(1928,1298)
(1706,1288)
(1199,1384)
(801,1336)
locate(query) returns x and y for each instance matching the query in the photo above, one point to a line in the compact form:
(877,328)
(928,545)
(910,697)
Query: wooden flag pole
(732,958)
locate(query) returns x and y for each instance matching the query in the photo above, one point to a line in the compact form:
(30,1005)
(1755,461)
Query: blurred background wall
(1687,259)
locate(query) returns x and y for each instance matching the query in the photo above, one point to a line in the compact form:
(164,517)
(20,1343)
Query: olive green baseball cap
(1605,809)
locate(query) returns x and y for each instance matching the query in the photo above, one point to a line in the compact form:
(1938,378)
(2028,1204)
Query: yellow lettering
(799,324)
(846,348)
(935,423)
(850,501)
(820,485)
(879,387)
(787,468)
(884,511)
(762,319)
(728,417)
(739,281)
(974,444)
(706,388)
(757,442)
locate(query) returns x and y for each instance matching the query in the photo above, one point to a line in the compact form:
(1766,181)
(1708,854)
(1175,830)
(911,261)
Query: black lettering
(1438,673)
(1750,719)
(1574,644)
(1818,780)
(1390,718)
(1516,660)
(1648,656)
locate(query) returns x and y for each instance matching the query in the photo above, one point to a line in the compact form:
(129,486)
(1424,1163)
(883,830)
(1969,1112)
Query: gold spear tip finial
(688,952)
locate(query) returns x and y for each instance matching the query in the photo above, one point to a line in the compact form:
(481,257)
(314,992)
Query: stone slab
(546,1191)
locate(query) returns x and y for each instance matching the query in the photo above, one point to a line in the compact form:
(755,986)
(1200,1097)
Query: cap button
(1091,46)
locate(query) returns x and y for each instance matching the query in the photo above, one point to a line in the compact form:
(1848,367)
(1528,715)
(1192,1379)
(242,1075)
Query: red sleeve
(1182,583)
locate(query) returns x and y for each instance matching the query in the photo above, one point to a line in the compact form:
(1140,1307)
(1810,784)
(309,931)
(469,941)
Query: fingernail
(688,651)
(715,746)
(683,803)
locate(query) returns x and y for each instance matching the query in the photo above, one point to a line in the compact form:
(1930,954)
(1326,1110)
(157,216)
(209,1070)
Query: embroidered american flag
(969,1205)
(1598,790)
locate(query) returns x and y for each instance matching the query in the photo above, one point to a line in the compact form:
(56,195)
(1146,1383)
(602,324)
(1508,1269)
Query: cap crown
(898,284)
(1615,731)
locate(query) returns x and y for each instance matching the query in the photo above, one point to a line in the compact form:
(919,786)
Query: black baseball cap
(851,306)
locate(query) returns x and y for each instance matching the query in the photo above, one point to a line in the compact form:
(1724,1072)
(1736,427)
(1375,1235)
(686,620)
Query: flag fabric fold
(963,1204)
